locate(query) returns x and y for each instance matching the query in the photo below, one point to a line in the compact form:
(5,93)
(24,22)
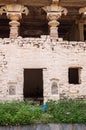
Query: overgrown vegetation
(23,113)
(17,113)
(68,111)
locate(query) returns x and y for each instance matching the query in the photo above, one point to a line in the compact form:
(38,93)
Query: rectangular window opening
(74,75)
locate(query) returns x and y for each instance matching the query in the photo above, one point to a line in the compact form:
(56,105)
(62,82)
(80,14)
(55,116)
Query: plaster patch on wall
(12,88)
(54,86)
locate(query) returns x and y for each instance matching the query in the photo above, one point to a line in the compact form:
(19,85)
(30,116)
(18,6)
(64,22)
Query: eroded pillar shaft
(53,25)
(14,29)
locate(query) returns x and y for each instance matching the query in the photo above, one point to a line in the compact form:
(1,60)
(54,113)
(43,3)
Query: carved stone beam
(14,13)
(54,12)
(55,1)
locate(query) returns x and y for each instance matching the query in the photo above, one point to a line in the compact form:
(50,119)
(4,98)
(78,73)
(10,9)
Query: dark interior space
(4,28)
(84,32)
(33,84)
(73,75)
(35,24)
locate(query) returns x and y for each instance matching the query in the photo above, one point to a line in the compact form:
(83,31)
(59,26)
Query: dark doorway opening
(74,75)
(33,84)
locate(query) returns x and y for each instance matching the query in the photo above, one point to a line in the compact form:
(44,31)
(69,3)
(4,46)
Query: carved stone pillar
(53,23)
(82,23)
(54,12)
(81,31)
(14,13)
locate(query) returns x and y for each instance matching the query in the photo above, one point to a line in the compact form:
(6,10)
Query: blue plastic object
(45,106)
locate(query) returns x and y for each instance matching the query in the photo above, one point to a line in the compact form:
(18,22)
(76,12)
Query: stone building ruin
(42,49)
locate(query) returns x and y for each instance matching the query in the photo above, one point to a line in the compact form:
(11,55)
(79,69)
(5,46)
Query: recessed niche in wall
(54,86)
(12,88)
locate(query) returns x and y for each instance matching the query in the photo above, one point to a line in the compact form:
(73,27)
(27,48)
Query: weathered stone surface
(80,127)
(46,127)
(65,127)
(42,127)
(4,128)
(54,57)
(54,126)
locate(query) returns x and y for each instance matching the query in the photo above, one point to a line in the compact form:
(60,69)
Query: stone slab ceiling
(27,2)
(70,3)
(73,3)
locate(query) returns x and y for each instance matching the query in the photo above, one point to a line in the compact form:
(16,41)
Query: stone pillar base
(14,29)
(13,32)
(54,33)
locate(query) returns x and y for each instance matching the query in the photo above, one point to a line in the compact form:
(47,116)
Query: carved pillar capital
(55,8)
(82,11)
(14,9)
(14,13)
(54,12)
(53,16)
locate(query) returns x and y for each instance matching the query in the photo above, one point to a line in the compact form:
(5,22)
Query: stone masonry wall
(46,127)
(54,57)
